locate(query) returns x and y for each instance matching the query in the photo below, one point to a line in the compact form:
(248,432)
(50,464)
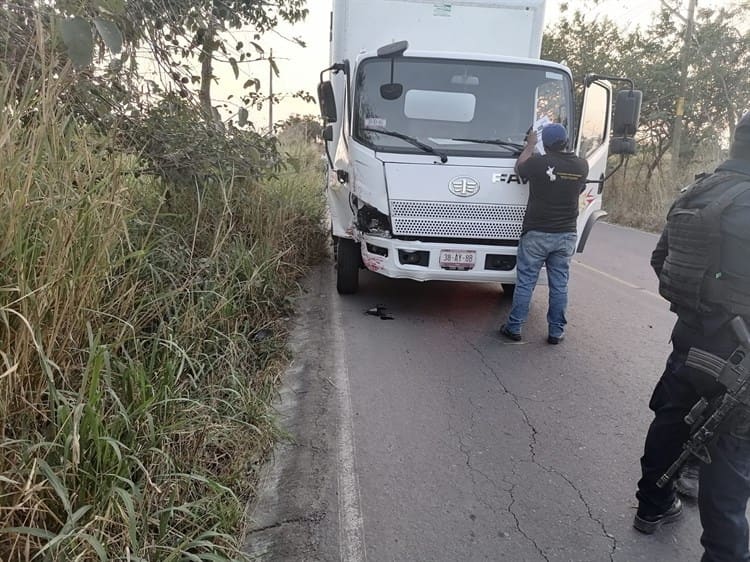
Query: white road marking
(618,280)
(632,229)
(351,526)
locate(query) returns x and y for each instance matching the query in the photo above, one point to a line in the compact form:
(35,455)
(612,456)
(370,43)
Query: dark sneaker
(649,524)
(554,340)
(504,331)
(686,483)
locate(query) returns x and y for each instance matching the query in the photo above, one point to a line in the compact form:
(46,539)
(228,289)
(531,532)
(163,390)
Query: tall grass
(140,340)
(632,198)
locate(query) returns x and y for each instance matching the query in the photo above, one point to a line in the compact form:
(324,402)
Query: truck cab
(422,140)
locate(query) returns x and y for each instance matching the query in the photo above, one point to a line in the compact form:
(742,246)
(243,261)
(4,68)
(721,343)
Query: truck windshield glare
(462,108)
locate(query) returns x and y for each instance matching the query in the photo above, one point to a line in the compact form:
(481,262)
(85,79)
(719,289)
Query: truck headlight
(373,222)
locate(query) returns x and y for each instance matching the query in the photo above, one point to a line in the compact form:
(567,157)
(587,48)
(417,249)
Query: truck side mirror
(327,102)
(625,122)
(627,113)
(624,146)
(327,134)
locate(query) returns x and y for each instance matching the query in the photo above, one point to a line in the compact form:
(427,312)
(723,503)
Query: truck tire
(348,258)
(509,289)
(334,244)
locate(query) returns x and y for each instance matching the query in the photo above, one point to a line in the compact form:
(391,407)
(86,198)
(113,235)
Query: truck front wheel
(509,289)
(348,258)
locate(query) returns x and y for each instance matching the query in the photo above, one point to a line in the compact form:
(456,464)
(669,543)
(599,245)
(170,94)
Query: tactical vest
(692,276)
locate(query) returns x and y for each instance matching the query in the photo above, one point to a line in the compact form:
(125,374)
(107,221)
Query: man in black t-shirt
(556,180)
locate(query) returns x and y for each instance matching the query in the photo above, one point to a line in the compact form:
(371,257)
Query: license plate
(458,259)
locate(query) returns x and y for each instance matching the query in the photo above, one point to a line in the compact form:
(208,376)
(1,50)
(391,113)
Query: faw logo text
(508,178)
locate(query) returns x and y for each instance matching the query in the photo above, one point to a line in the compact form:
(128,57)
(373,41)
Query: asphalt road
(427,437)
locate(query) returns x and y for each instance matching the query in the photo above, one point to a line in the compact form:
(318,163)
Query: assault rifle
(734,375)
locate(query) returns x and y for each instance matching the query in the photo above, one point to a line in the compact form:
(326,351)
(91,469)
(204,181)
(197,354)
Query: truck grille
(456,220)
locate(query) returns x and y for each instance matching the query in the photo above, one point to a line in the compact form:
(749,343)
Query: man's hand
(528,150)
(531,139)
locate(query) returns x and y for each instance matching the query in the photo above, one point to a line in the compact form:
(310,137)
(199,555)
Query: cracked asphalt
(465,446)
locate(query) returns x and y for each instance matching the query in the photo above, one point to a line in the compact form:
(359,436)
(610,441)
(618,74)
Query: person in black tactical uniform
(703,263)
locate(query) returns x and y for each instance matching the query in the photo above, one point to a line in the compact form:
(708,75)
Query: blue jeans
(535,249)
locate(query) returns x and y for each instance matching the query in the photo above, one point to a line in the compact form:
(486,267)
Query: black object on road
(379,311)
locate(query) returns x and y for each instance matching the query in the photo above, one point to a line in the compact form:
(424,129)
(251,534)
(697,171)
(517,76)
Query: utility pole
(270,92)
(680,108)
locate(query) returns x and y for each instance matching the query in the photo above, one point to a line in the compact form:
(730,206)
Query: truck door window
(594,119)
(552,100)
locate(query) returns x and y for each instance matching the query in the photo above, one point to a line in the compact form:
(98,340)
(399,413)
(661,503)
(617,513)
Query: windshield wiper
(411,140)
(497,142)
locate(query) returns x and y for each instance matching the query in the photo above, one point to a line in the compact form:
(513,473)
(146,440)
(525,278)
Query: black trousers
(680,387)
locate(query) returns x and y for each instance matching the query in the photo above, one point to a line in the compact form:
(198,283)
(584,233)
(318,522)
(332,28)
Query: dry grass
(632,199)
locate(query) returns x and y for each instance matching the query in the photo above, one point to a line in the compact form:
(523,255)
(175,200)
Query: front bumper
(386,256)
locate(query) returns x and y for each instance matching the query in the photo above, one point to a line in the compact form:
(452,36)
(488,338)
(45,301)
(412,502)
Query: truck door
(593,145)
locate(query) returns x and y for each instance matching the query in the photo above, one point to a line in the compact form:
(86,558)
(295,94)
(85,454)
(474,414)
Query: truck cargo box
(495,27)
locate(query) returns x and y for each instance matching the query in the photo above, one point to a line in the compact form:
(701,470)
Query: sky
(300,67)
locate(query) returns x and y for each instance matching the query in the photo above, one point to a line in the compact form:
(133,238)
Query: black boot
(650,523)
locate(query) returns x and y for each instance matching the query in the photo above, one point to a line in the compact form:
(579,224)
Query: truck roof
(491,27)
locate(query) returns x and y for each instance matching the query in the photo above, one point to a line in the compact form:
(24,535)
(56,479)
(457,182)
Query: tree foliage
(718,83)
(178,145)
(160,104)
(309,127)
(181,34)
(184,40)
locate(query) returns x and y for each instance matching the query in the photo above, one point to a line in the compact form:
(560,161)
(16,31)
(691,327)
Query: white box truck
(428,105)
